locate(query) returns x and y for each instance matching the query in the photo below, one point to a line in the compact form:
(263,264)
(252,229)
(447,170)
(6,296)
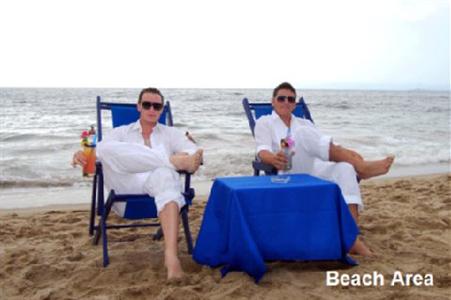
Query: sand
(47,254)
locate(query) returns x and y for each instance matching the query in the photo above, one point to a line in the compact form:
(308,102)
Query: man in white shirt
(143,158)
(314,152)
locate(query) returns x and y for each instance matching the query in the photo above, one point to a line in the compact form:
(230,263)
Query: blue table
(248,220)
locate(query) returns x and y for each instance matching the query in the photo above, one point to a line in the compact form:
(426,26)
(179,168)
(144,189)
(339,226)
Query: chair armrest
(181,172)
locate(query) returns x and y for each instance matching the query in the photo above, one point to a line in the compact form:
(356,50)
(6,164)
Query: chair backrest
(126,113)
(256,110)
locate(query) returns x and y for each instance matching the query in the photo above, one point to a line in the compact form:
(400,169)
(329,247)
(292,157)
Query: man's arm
(79,157)
(278,160)
(264,142)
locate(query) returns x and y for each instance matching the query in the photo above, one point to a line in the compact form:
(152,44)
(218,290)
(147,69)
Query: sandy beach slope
(47,254)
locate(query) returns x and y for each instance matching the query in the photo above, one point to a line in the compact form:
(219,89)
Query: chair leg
(106,259)
(158,235)
(96,238)
(103,229)
(93,206)
(189,240)
(100,193)
(106,211)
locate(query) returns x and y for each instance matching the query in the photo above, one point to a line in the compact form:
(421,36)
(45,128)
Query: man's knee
(169,206)
(162,179)
(308,140)
(346,169)
(162,176)
(346,172)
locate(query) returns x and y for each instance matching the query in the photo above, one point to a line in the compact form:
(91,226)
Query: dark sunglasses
(148,105)
(281,99)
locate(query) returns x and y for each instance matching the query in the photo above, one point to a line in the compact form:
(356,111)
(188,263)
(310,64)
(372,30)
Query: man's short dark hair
(150,90)
(283,86)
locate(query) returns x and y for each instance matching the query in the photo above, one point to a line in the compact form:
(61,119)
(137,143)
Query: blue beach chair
(256,110)
(137,206)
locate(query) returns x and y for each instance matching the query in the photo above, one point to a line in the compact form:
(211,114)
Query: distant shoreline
(304,88)
(43,199)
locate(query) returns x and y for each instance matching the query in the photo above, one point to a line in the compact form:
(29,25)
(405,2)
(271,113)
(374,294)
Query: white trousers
(130,168)
(312,157)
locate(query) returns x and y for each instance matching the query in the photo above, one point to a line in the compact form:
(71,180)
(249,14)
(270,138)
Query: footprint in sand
(54,212)
(400,197)
(442,281)
(76,234)
(75,257)
(440,261)
(189,266)
(70,220)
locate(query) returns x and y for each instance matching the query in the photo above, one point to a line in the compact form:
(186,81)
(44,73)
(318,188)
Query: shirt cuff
(263,147)
(190,150)
(325,146)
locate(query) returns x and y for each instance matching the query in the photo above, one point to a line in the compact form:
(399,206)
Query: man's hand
(279,160)
(79,158)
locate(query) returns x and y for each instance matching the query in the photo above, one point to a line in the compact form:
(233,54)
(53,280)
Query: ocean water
(40,130)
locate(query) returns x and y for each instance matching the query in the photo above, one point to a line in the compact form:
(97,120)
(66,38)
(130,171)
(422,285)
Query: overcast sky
(388,44)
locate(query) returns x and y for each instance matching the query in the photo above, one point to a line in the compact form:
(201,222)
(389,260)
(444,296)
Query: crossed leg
(365,169)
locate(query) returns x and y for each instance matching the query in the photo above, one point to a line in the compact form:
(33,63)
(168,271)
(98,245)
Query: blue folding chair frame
(137,206)
(256,110)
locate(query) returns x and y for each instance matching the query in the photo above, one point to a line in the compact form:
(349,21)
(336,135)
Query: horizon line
(307,87)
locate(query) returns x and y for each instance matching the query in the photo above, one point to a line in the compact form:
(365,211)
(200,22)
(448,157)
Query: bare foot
(359,248)
(174,268)
(375,168)
(189,163)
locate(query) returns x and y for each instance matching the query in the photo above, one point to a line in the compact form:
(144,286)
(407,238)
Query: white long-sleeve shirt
(169,139)
(270,129)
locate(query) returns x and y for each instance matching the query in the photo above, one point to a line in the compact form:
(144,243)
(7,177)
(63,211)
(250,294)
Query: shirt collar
(275,116)
(137,126)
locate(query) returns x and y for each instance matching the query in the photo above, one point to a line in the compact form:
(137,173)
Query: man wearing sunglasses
(314,152)
(143,158)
